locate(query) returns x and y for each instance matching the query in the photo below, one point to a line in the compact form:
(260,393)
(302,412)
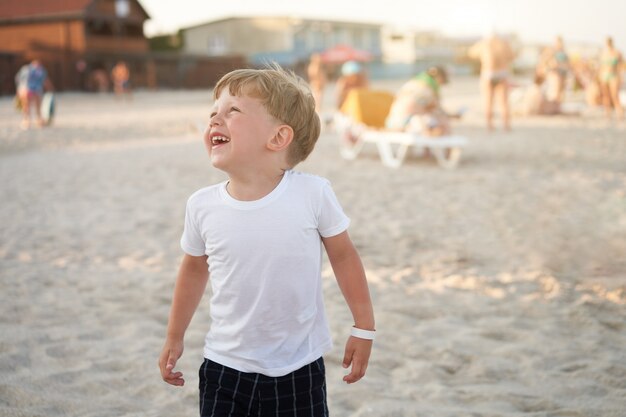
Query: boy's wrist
(175,336)
(365,324)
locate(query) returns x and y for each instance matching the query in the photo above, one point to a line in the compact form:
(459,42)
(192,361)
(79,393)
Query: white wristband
(363,334)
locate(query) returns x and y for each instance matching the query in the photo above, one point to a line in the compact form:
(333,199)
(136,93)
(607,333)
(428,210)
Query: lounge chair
(361,120)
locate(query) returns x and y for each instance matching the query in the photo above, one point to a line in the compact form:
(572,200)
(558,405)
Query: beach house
(72,38)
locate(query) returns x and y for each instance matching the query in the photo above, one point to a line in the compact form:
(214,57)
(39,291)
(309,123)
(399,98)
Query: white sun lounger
(393,146)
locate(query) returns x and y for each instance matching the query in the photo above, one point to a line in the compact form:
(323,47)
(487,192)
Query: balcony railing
(95,43)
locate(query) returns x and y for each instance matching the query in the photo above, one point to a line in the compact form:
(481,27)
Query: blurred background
(187,44)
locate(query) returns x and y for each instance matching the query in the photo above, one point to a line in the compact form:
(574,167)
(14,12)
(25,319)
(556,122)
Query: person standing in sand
(261,234)
(557,68)
(495,56)
(31,82)
(611,62)
(317,79)
(353,76)
(120,74)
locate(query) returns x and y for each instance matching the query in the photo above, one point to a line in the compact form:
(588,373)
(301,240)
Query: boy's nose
(215,120)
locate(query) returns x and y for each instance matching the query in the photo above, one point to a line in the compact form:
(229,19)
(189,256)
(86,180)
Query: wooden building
(72,38)
(79,41)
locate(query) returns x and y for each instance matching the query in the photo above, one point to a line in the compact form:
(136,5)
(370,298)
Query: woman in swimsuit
(611,62)
(558,67)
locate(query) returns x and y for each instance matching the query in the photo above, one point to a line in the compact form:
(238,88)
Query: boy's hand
(167,361)
(357,354)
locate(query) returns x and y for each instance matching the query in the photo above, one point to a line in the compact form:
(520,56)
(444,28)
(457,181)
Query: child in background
(261,234)
(353,76)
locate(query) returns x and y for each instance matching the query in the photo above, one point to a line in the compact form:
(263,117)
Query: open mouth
(219,140)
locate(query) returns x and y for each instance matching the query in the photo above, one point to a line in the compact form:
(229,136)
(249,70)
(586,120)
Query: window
(217,45)
(99,27)
(122,8)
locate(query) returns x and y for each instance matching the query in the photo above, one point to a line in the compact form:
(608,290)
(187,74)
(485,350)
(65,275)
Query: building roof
(18,10)
(293,19)
(35,8)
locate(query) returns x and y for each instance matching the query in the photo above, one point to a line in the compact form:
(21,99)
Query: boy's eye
(232,109)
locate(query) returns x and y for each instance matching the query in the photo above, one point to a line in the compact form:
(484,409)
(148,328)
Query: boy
(261,234)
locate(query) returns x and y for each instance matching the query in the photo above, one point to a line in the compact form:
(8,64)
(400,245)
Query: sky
(588,21)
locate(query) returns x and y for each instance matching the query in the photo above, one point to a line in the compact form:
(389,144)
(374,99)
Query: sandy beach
(499,287)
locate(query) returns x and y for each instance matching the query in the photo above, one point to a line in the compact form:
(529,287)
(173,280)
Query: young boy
(261,234)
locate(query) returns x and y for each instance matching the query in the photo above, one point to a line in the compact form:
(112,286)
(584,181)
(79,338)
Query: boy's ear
(282,139)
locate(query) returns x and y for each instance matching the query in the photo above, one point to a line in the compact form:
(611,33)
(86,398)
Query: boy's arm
(350,275)
(192,278)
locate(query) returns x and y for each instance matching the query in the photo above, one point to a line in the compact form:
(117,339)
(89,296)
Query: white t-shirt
(267,311)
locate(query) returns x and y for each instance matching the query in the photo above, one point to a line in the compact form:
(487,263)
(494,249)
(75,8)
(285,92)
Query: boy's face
(238,132)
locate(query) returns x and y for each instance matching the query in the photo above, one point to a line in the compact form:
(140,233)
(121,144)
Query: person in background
(495,56)
(417,105)
(317,79)
(120,74)
(610,75)
(536,103)
(81,70)
(556,67)
(99,80)
(585,71)
(353,75)
(31,82)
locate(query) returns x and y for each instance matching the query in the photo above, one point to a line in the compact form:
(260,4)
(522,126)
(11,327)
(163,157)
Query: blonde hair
(285,96)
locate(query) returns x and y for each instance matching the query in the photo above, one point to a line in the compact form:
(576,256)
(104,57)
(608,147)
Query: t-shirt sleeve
(191,241)
(332,219)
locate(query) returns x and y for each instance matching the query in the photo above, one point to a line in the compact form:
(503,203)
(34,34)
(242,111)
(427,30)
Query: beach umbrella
(342,53)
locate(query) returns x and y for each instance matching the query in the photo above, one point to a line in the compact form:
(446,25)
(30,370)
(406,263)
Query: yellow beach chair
(361,120)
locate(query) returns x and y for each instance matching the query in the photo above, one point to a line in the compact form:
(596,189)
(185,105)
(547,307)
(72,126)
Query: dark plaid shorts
(226,392)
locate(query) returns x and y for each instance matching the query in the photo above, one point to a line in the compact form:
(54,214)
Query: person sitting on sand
(536,103)
(352,76)
(417,105)
(261,233)
(586,76)
(496,56)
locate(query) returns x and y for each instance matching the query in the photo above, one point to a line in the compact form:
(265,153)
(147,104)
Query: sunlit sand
(499,287)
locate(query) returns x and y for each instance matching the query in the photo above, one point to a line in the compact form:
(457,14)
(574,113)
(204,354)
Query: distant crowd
(418,102)
(599,78)
(417,105)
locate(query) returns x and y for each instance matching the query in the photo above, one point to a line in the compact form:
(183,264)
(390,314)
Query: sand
(499,287)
